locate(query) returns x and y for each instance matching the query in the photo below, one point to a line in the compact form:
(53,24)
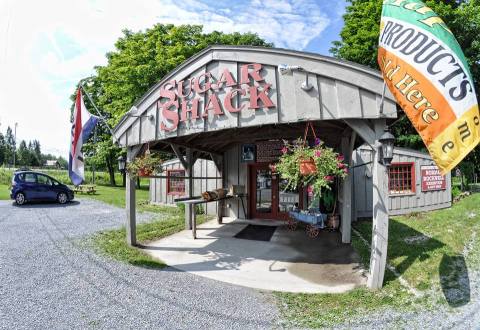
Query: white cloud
(47,46)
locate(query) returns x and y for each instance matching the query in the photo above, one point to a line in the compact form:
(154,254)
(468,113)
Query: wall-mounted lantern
(122,162)
(387,141)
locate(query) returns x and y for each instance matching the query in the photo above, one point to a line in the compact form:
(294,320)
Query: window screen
(176,185)
(401,178)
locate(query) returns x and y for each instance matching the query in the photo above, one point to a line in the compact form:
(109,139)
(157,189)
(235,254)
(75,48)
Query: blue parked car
(33,186)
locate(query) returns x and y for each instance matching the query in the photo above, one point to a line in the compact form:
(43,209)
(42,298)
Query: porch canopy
(227,95)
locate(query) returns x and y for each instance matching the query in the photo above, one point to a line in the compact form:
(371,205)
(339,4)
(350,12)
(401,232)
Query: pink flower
(273,167)
(340,158)
(329,178)
(318,153)
(340,165)
(284,150)
(345,170)
(310,189)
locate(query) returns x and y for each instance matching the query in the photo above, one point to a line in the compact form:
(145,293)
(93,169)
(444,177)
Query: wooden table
(196,201)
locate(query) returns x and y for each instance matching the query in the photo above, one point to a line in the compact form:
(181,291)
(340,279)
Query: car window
(30,177)
(42,179)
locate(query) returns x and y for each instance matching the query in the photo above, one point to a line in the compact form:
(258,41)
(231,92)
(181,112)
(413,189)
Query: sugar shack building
(225,112)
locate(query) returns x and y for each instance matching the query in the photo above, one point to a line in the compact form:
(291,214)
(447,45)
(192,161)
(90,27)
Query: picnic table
(85,189)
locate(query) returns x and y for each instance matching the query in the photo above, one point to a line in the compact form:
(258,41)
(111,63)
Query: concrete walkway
(289,262)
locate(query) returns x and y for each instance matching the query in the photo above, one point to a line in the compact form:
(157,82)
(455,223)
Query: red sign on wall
(432,179)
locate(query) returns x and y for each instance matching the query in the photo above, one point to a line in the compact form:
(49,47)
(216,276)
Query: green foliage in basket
(328,162)
(147,163)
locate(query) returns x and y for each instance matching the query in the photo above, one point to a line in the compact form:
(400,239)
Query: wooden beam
(346,189)
(179,155)
(378,257)
(189,209)
(130,200)
(218,162)
(362,129)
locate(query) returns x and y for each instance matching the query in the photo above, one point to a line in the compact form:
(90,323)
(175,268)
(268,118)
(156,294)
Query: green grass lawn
(112,243)
(4,191)
(432,251)
(116,195)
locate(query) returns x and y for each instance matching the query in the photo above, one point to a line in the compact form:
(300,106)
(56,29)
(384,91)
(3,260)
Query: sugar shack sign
(432,179)
(195,98)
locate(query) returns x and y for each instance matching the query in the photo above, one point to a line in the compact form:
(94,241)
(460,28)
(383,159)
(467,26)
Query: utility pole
(15,145)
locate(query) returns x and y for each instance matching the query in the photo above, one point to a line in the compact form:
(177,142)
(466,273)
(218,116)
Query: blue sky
(47,46)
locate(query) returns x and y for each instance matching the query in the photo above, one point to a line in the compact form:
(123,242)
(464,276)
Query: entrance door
(269,197)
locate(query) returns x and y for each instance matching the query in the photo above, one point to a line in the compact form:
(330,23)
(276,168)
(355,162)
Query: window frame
(176,193)
(413,186)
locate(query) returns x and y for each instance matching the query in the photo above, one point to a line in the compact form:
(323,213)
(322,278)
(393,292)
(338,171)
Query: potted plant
(318,166)
(143,166)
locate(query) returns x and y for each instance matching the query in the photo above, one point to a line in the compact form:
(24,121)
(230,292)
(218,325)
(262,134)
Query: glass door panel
(263,196)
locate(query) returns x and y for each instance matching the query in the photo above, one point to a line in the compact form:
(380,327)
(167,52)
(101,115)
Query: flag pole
(383,98)
(96,109)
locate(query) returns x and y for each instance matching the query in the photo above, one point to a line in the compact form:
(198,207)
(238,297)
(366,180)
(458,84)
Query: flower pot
(333,221)
(143,172)
(307,166)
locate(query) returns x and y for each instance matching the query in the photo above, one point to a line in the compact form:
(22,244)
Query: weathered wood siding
(202,168)
(401,203)
(341,90)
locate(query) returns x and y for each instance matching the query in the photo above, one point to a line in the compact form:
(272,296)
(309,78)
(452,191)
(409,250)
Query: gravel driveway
(49,279)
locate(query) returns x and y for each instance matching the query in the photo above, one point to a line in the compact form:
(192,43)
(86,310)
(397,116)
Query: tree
(3,148)
(359,43)
(139,61)
(23,154)
(9,146)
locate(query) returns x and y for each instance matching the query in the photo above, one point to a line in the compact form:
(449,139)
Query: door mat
(256,233)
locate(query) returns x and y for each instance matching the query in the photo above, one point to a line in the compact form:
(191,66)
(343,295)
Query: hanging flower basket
(144,172)
(144,166)
(316,166)
(307,166)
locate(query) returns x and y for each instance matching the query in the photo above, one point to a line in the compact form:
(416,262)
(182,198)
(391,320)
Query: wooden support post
(378,258)
(220,205)
(189,209)
(130,201)
(346,190)
(131,224)
(219,164)
(194,221)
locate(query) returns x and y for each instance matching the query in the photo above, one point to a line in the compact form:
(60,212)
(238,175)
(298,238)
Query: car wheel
(62,198)
(20,198)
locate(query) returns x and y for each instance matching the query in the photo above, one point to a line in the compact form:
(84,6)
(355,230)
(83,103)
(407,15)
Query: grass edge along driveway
(112,243)
(432,251)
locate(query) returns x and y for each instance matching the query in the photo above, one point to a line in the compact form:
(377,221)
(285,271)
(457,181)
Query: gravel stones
(50,279)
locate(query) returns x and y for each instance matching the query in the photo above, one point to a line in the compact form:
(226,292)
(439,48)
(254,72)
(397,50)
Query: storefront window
(401,178)
(176,182)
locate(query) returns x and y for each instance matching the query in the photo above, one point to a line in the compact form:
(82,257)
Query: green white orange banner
(425,69)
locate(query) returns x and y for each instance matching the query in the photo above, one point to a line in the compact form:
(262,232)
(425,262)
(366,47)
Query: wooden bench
(85,189)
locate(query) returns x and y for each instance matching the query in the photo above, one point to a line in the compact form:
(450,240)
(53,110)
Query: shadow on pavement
(43,205)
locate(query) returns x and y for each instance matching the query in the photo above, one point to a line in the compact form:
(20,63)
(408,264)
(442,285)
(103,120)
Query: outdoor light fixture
(286,69)
(134,109)
(121,163)
(387,140)
(306,86)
